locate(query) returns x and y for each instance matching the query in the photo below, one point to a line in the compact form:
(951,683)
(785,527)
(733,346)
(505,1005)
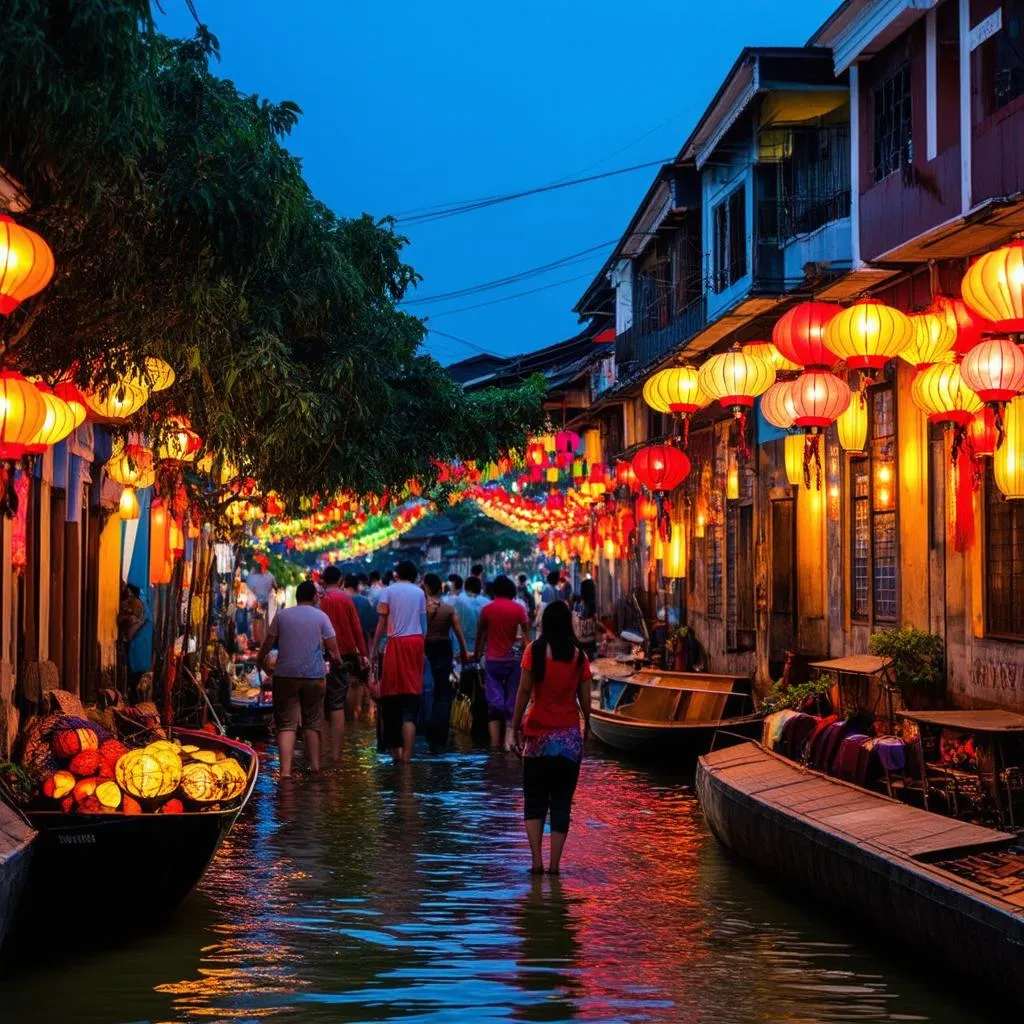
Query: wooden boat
(138,868)
(932,886)
(16,836)
(671,716)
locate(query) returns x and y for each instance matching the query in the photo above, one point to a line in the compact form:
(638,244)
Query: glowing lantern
(732,481)
(231,777)
(58,422)
(149,773)
(22,414)
(75,400)
(868,334)
(939,391)
(661,467)
(968,326)
(674,554)
(852,424)
(59,785)
(180,442)
(1008,461)
(68,743)
(159,375)
(766,350)
(128,506)
(26,264)
(994,370)
(131,466)
(794,458)
(646,510)
(982,432)
(677,391)
(819,398)
(109,795)
(934,339)
(199,783)
(799,334)
(117,402)
(177,539)
(735,378)
(625,476)
(994,287)
(777,405)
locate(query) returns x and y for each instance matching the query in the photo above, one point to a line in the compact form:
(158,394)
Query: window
(997,65)
(740,572)
(713,531)
(874,553)
(784,568)
(730,224)
(1004,562)
(893,123)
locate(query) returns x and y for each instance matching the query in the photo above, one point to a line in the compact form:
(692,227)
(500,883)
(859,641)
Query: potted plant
(918,664)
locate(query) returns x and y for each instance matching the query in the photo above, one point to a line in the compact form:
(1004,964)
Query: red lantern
(646,510)
(959,316)
(994,370)
(22,414)
(660,467)
(799,334)
(819,398)
(625,475)
(982,433)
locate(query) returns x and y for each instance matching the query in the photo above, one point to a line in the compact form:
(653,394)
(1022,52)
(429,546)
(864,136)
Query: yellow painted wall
(109,583)
(812,577)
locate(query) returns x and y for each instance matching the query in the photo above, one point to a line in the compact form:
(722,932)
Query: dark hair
(554,578)
(332,574)
(473,585)
(588,597)
(522,577)
(406,570)
(351,581)
(305,592)
(363,578)
(488,587)
(477,570)
(455,580)
(504,587)
(557,636)
(374,576)
(387,578)
(433,583)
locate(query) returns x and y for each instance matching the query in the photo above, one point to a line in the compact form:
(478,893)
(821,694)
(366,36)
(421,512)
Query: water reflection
(383,893)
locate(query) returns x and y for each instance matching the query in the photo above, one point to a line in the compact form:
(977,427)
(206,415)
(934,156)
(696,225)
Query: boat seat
(701,707)
(653,704)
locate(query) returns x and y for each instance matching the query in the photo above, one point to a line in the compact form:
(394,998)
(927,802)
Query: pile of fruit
(80,767)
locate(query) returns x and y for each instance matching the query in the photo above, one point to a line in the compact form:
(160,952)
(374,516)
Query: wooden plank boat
(16,836)
(138,867)
(671,716)
(935,887)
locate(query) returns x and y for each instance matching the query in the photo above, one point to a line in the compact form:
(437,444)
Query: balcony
(634,350)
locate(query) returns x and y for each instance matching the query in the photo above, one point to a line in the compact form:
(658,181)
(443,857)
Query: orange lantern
(768,351)
(646,510)
(940,393)
(982,432)
(934,339)
(777,405)
(58,423)
(67,392)
(128,506)
(868,334)
(26,264)
(180,442)
(994,370)
(994,287)
(131,466)
(22,414)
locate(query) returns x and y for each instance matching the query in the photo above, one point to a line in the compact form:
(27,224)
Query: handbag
(461,716)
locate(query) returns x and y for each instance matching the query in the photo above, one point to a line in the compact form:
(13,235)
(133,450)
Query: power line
(509,298)
(463,341)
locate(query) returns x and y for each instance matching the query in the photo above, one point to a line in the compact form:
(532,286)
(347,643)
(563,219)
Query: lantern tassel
(742,451)
(961,507)
(686,430)
(997,422)
(812,454)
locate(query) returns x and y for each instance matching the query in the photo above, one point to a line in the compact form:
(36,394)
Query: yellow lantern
(199,783)
(22,414)
(994,287)
(732,482)
(939,391)
(794,458)
(58,423)
(852,424)
(676,389)
(868,334)
(592,446)
(767,350)
(68,393)
(735,378)
(131,466)
(699,522)
(108,793)
(180,442)
(26,264)
(148,773)
(159,376)
(933,341)
(231,777)
(128,506)
(1008,461)
(117,402)
(674,565)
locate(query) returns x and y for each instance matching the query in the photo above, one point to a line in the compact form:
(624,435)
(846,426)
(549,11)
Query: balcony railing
(779,221)
(635,350)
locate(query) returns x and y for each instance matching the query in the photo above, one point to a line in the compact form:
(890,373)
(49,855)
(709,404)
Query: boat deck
(853,814)
(15,834)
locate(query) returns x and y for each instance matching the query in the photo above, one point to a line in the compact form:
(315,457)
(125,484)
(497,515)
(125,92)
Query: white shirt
(407,608)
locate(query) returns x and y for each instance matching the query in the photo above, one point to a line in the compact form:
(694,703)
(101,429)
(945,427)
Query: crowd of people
(397,638)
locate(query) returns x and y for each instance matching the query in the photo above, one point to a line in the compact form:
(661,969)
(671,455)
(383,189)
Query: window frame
(899,153)
(729,239)
(992,492)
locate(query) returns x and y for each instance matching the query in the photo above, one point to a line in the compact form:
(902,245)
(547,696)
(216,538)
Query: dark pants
(548,785)
(439,655)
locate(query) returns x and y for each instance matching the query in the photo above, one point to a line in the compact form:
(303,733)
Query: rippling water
(377,893)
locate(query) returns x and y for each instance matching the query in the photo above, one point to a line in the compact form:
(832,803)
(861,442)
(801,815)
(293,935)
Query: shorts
(292,696)
(339,679)
(394,713)
(501,684)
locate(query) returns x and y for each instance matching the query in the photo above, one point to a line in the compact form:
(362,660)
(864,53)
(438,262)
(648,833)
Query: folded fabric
(891,753)
(828,744)
(773,726)
(848,756)
(795,734)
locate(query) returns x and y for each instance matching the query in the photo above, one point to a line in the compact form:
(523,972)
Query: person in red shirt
(497,631)
(341,610)
(554,692)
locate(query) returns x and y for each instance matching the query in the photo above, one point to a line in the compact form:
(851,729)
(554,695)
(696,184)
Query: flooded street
(383,894)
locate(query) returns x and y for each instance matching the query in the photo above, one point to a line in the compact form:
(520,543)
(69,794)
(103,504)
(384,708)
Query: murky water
(386,894)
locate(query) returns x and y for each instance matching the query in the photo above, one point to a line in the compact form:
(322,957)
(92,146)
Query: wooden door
(782,632)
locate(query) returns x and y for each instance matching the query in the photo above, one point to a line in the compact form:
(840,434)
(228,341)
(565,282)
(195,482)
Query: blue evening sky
(414,103)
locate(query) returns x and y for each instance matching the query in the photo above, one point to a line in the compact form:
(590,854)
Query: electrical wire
(509,298)
(463,341)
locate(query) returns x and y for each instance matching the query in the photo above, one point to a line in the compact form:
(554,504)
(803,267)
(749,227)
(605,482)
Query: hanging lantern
(1008,461)
(58,422)
(994,370)
(592,446)
(852,424)
(611,549)
(794,458)
(993,287)
(735,378)
(131,466)
(982,433)
(159,376)
(940,393)
(799,334)
(674,554)
(128,506)
(117,402)
(180,442)
(777,405)
(625,476)
(969,327)
(868,334)
(177,539)
(67,392)
(934,339)
(819,398)
(22,413)
(766,350)
(661,467)
(646,510)
(676,391)
(26,264)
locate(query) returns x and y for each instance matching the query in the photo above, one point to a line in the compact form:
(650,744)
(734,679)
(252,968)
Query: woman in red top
(555,683)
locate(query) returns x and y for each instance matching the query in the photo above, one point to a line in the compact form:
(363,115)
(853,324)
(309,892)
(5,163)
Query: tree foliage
(182,227)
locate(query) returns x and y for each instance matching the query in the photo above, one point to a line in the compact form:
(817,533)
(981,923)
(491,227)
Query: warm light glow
(675,390)
(732,483)
(794,459)
(819,398)
(128,506)
(182,444)
(117,402)
(833,491)
(735,378)
(767,350)
(994,370)
(699,524)
(674,564)
(868,334)
(777,405)
(131,466)
(993,287)
(661,467)
(852,424)
(59,421)
(799,334)
(940,392)
(159,376)
(26,264)
(22,414)
(883,496)
(884,474)
(1008,461)
(67,392)
(934,338)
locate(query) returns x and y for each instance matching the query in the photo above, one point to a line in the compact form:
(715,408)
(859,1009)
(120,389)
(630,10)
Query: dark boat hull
(140,866)
(670,742)
(16,849)
(909,905)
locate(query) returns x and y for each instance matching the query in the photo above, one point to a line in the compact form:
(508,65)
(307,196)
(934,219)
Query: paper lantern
(852,424)
(131,466)
(983,433)
(22,414)
(173,806)
(59,785)
(794,458)
(799,334)
(661,467)
(646,510)
(732,482)
(128,505)
(676,390)
(147,773)
(84,789)
(968,326)
(766,350)
(940,393)
(69,742)
(58,423)
(118,401)
(993,287)
(67,392)
(674,555)
(1008,461)
(199,783)
(868,334)
(159,376)
(994,370)
(625,475)
(934,339)
(109,795)
(26,264)
(735,378)
(777,405)
(231,777)
(182,444)
(819,398)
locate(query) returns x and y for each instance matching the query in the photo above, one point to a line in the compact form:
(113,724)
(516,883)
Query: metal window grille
(860,474)
(714,538)
(893,123)
(997,65)
(1004,562)
(730,224)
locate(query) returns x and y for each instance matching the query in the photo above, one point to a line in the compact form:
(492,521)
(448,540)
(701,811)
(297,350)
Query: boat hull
(16,849)
(670,742)
(918,909)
